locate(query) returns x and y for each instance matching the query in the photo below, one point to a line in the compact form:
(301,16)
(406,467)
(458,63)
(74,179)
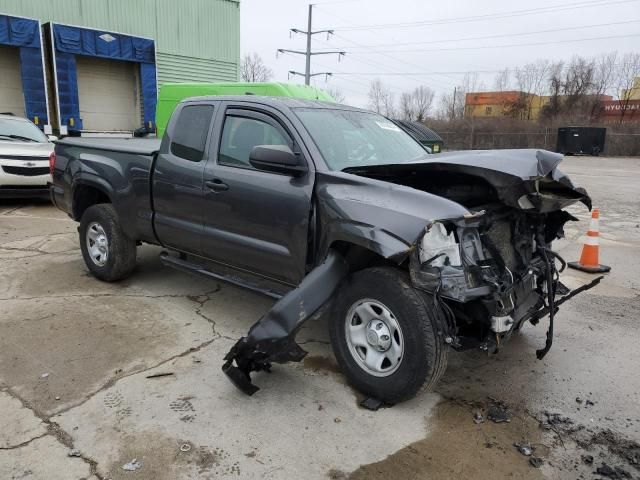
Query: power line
(486,37)
(386,68)
(384,72)
(395,59)
(476,18)
(554,42)
(460,72)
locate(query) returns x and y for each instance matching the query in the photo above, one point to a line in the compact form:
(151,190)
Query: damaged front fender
(382,217)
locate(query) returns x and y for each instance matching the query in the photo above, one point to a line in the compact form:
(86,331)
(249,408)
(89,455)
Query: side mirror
(277,159)
(52,138)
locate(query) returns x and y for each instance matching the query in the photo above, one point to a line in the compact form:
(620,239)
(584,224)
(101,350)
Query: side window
(190,134)
(241,134)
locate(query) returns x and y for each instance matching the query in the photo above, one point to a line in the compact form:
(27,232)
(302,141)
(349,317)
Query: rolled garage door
(11,94)
(109,94)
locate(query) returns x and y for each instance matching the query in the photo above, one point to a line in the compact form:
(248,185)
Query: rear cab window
(190,133)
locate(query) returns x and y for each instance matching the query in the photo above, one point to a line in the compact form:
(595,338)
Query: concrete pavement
(75,354)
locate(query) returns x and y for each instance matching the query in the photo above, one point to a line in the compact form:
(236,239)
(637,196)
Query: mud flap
(272,338)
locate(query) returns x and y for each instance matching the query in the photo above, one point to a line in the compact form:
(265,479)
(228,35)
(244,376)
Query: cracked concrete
(20,425)
(75,354)
(28,462)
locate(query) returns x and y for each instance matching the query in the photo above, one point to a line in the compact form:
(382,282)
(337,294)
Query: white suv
(24,158)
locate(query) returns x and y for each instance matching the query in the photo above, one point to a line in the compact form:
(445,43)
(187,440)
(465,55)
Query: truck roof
(173,93)
(277,101)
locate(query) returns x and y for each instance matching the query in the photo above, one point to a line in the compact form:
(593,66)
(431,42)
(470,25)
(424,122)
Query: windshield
(351,139)
(19,130)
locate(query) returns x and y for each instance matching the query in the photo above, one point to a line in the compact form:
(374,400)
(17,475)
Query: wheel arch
(88,192)
(360,255)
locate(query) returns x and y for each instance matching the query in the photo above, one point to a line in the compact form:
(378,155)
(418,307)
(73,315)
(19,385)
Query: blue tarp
(68,101)
(25,34)
(19,32)
(98,43)
(71,41)
(149,98)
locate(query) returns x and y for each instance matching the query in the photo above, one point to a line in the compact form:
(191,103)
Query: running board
(196,269)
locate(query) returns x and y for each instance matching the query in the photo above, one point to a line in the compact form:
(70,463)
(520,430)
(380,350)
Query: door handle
(216,185)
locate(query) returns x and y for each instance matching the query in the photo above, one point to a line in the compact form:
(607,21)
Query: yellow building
(632,93)
(520,105)
(513,104)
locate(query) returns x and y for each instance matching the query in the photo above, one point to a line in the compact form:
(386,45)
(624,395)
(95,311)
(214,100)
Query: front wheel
(108,253)
(387,338)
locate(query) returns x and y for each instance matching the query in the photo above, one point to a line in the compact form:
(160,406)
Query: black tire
(121,250)
(425,352)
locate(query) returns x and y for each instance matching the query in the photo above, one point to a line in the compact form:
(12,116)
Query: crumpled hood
(525,163)
(527,179)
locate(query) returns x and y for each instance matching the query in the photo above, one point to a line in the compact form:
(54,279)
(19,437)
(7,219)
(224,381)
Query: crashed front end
(474,230)
(490,273)
(494,268)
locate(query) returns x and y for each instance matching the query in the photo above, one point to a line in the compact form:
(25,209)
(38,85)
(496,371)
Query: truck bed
(120,167)
(137,146)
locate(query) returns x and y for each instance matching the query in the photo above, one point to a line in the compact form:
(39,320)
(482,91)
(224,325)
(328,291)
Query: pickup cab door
(177,178)
(254,220)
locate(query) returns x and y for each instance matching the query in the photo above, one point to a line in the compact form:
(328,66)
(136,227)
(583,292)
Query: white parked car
(24,158)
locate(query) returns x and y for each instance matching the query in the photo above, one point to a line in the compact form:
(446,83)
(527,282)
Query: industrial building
(96,65)
(528,106)
(512,104)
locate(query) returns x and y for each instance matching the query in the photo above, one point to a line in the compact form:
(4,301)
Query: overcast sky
(552,29)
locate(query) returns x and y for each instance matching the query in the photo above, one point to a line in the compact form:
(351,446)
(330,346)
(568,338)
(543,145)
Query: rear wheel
(108,253)
(388,340)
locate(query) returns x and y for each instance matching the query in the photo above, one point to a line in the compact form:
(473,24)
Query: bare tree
(416,105)
(540,73)
(377,92)
(605,73)
(253,69)
(526,78)
(579,77)
(389,105)
(458,99)
(337,94)
(445,107)
(407,106)
(502,82)
(451,105)
(423,102)
(628,71)
(381,99)
(554,89)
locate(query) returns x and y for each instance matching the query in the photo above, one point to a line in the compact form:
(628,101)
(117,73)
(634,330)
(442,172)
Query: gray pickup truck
(328,208)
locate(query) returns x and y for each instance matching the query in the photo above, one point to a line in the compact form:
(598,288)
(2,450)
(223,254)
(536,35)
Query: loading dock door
(11,94)
(108,94)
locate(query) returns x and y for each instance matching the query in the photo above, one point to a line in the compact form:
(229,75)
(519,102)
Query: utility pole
(308,53)
(307,68)
(453,104)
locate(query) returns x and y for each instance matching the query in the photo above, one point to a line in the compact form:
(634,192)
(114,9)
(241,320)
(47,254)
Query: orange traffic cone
(590,251)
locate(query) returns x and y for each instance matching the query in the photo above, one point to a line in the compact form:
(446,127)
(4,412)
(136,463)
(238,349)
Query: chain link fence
(621,140)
